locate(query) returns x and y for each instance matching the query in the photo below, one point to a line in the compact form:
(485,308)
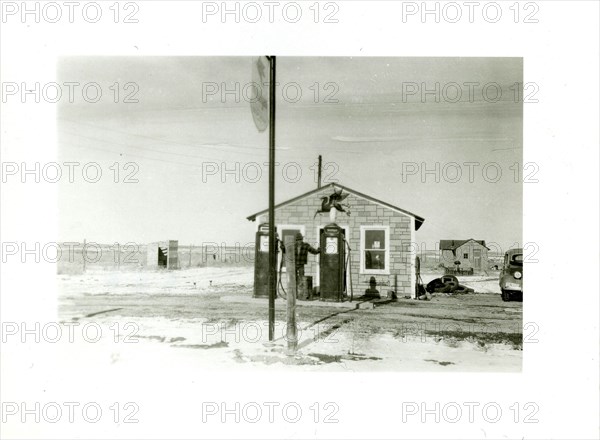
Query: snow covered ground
(213,334)
(202,280)
(157,345)
(197,280)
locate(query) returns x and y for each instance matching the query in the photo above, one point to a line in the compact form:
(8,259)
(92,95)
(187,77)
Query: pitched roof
(418,219)
(450,245)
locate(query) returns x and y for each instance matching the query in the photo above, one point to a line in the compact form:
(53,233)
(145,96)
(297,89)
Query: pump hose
(279,283)
(349,268)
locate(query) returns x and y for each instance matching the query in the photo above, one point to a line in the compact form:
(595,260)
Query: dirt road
(475,332)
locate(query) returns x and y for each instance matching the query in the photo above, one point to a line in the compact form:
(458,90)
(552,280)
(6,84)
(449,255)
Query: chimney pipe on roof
(319,174)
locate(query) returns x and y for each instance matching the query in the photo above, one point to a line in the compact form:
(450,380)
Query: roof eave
(418,219)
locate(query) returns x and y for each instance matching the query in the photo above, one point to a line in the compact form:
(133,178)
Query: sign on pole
(259,102)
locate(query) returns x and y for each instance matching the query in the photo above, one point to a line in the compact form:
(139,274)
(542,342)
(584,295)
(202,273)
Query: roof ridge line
(418,219)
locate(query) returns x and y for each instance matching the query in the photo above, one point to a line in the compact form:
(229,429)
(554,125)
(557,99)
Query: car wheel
(505,295)
(451,282)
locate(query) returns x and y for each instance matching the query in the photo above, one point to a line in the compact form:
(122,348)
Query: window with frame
(466,256)
(374,243)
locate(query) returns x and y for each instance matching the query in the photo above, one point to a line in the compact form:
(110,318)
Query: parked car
(511,275)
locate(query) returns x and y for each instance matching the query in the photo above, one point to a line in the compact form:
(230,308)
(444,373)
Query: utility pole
(263,113)
(272,243)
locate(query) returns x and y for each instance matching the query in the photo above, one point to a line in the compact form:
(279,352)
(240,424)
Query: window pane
(375,260)
(375,239)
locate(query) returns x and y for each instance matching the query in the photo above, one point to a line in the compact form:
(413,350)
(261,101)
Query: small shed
(471,254)
(379,235)
(163,254)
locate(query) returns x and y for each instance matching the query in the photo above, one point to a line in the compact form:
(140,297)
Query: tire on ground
(450,281)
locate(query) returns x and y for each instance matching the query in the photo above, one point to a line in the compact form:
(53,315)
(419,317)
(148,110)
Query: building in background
(471,254)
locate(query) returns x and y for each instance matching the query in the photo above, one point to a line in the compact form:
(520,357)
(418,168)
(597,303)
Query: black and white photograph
(299,219)
(355,158)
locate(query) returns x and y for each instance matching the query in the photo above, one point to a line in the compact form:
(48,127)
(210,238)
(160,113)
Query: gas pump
(332,263)
(261,262)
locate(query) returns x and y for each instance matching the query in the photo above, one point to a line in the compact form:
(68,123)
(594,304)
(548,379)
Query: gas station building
(378,234)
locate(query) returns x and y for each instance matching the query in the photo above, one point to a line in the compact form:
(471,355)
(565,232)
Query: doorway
(477,259)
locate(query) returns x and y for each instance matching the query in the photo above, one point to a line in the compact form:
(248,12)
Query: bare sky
(378,127)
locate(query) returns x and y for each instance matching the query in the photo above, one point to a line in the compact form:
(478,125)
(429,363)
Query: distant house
(378,233)
(472,254)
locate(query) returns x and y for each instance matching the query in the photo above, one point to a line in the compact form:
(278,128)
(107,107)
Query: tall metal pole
(272,243)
